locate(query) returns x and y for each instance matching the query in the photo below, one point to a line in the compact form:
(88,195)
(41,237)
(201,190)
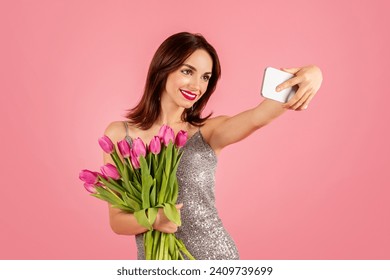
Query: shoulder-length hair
(169,57)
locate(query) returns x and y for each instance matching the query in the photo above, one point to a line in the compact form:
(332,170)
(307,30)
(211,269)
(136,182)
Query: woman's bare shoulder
(116,130)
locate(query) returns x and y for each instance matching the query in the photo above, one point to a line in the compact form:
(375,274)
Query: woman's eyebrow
(194,69)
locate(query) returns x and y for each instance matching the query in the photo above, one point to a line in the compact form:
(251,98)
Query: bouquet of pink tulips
(141,184)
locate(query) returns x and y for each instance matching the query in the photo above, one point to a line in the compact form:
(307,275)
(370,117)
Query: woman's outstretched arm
(222,131)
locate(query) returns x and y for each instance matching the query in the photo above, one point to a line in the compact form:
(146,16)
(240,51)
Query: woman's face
(188,83)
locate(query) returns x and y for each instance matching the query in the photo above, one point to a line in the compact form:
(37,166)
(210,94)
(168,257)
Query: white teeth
(188,94)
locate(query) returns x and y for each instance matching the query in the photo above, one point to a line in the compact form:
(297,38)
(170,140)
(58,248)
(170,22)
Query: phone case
(272,78)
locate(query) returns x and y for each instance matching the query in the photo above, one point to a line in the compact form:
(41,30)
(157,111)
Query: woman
(182,76)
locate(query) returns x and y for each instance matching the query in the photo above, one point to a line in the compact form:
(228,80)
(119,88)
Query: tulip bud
(88,176)
(166,134)
(101,175)
(124,148)
(134,160)
(110,170)
(106,144)
(162,130)
(155,145)
(139,148)
(181,138)
(90,187)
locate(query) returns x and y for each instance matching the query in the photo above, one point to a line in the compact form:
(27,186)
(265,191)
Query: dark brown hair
(168,58)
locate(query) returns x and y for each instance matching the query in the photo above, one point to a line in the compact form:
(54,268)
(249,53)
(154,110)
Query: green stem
(162,246)
(148,241)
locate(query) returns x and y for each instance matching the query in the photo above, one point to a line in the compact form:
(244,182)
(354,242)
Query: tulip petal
(106,144)
(88,176)
(90,187)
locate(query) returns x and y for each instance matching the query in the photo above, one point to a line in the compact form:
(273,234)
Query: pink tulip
(110,170)
(155,145)
(102,175)
(134,160)
(124,148)
(106,144)
(88,176)
(90,187)
(139,148)
(181,138)
(166,134)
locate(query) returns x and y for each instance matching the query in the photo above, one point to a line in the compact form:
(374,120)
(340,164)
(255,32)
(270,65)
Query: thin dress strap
(128,138)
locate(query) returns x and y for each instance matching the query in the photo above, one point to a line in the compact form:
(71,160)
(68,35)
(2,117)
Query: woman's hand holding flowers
(163,224)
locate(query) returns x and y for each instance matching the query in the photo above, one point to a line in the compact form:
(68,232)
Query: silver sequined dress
(202,230)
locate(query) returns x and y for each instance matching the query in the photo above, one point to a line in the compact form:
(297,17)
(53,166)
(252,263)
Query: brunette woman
(182,76)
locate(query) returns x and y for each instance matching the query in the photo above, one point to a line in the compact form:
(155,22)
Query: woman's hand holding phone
(295,87)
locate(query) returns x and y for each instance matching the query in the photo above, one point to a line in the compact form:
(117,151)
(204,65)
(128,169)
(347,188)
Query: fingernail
(278,88)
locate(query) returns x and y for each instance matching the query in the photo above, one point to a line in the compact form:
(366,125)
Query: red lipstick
(188,94)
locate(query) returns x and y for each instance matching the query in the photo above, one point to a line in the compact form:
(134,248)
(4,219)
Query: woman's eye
(206,78)
(186,71)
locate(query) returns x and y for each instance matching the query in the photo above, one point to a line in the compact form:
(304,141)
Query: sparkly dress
(202,230)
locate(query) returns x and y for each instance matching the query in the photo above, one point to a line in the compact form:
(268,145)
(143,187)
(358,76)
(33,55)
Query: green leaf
(156,242)
(148,244)
(159,173)
(116,184)
(147,182)
(118,162)
(149,163)
(168,157)
(126,178)
(131,202)
(183,248)
(172,213)
(166,247)
(137,185)
(171,242)
(102,197)
(154,164)
(175,192)
(105,198)
(109,195)
(152,215)
(153,194)
(163,188)
(130,168)
(162,246)
(168,194)
(142,219)
(124,208)
(112,185)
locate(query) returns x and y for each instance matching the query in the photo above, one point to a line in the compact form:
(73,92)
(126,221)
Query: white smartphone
(271,79)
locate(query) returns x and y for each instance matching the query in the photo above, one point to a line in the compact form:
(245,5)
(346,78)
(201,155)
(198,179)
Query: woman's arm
(122,222)
(224,130)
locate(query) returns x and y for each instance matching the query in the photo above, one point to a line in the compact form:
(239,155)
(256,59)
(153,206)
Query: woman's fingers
(308,79)
(300,104)
(179,206)
(289,83)
(305,105)
(163,224)
(298,101)
(291,70)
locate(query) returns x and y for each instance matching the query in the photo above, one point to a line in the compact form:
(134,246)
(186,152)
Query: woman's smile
(188,94)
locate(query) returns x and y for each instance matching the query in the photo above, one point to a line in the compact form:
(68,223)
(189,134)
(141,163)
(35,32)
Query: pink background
(312,185)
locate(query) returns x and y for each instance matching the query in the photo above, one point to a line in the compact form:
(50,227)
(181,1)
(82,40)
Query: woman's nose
(194,83)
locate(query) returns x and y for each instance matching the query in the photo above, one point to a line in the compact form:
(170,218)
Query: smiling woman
(171,58)
(190,80)
(182,76)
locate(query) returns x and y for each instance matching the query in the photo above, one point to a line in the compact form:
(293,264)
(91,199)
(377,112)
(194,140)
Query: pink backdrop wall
(312,185)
